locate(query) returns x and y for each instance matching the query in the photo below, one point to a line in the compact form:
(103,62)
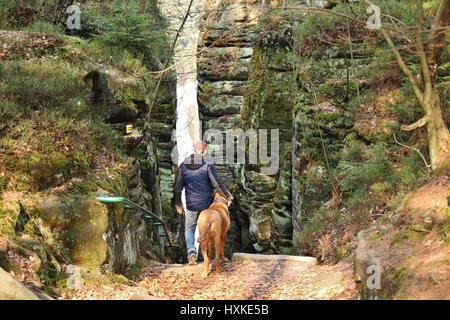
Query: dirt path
(246,280)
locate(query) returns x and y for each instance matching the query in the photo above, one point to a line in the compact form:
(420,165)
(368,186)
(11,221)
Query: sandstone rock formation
(13,290)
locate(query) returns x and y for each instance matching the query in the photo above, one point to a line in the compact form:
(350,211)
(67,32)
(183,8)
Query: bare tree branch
(339,14)
(172,49)
(417,150)
(421,51)
(419,123)
(404,67)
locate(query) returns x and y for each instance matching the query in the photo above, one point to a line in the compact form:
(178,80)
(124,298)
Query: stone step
(239,256)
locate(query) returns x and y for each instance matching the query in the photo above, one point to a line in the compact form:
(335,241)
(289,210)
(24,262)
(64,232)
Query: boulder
(281,223)
(117,97)
(77,223)
(375,274)
(85,232)
(11,289)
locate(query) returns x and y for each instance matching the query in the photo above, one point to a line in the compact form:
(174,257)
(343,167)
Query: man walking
(199,178)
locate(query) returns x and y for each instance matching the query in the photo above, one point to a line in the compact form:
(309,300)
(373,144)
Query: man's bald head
(200,147)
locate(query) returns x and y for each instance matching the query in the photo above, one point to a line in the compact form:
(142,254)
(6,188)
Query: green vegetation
(134,272)
(47,121)
(131,30)
(276,29)
(405,234)
(332,88)
(443,229)
(340,89)
(56,141)
(21,13)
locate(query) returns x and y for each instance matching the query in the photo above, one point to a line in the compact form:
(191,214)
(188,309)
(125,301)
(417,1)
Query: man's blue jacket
(199,178)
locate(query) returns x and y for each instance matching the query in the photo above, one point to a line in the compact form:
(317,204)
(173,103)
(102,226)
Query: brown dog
(213,225)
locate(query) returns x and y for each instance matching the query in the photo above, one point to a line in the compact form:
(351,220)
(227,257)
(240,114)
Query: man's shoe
(192,259)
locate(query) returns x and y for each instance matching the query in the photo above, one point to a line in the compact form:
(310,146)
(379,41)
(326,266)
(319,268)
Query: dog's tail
(202,231)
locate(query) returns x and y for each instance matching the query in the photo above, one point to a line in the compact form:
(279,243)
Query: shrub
(406,108)
(376,167)
(93,22)
(315,225)
(121,59)
(131,30)
(276,28)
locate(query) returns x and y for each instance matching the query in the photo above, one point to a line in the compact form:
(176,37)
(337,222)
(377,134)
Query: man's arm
(179,184)
(217,183)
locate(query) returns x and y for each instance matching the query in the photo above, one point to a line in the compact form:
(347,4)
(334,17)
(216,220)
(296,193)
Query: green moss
(60,162)
(86,187)
(398,275)
(8,218)
(378,235)
(134,271)
(47,267)
(117,278)
(337,91)
(115,182)
(99,277)
(269,98)
(403,235)
(443,229)
(7,265)
(342,253)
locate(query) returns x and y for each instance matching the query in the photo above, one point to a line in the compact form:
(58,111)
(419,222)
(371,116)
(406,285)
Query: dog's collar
(220,199)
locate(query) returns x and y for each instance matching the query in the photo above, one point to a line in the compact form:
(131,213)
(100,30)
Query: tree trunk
(61,11)
(425,88)
(438,134)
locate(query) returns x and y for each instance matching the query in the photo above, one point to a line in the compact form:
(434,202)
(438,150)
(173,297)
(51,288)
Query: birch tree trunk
(188,130)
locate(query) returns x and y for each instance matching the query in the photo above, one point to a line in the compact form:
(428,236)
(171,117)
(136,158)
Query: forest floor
(246,280)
